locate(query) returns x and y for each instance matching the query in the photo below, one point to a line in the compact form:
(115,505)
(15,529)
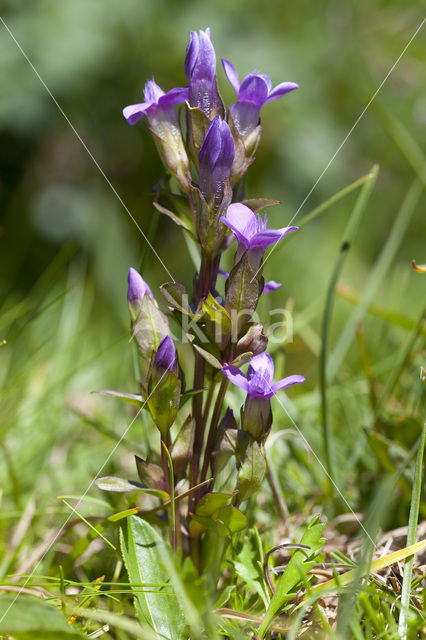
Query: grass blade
(334,198)
(382,265)
(348,237)
(411,538)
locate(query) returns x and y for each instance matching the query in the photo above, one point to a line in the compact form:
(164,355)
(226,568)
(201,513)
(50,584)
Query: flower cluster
(206,161)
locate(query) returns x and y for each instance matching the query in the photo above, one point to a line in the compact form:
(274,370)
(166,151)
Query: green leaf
(176,297)
(297,569)
(208,357)
(252,466)
(174,217)
(207,507)
(256,204)
(143,553)
(248,564)
(31,619)
(120,485)
(164,402)
(181,448)
(219,324)
(128,397)
(242,293)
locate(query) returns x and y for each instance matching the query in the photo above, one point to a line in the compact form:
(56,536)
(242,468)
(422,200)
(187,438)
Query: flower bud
(200,69)
(215,160)
(136,292)
(149,325)
(166,357)
(257,417)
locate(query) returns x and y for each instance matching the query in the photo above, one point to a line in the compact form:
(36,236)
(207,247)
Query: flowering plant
(206,453)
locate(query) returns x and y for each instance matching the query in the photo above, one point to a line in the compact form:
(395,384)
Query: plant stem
(213,427)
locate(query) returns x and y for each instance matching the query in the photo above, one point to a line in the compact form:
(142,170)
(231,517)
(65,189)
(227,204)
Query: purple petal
(134,112)
(281,89)
(262,363)
(263,239)
(215,158)
(200,68)
(271,285)
(245,116)
(242,221)
(287,382)
(223,273)
(174,96)
(152,92)
(166,356)
(191,53)
(137,287)
(235,376)
(231,73)
(253,88)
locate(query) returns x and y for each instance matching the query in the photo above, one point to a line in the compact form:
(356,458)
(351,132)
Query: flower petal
(235,376)
(134,112)
(271,285)
(263,239)
(262,363)
(231,73)
(152,92)
(242,221)
(281,89)
(174,96)
(287,382)
(253,88)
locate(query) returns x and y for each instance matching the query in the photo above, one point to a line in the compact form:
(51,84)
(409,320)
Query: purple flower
(166,357)
(200,69)
(250,230)
(159,109)
(215,160)
(253,92)
(157,106)
(259,379)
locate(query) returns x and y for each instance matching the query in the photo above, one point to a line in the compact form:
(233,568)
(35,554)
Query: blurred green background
(67,241)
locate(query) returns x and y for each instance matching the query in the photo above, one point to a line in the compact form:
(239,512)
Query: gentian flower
(200,69)
(252,93)
(158,106)
(215,161)
(257,415)
(166,357)
(252,232)
(159,109)
(259,379)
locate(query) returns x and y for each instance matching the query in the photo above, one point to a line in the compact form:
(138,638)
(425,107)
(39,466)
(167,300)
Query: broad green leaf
(248,564)
(242,293)
(252,469)
(27,618)
(143,552)
(300,564)
(206,512)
